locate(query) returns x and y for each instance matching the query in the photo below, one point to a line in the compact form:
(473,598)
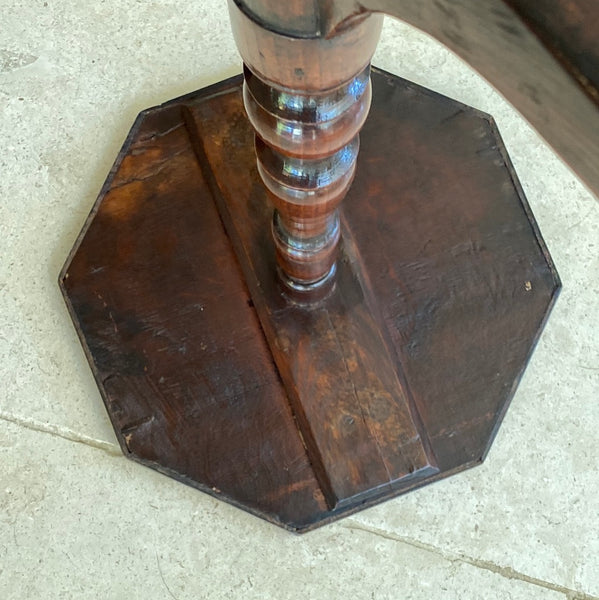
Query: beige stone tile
(77,522)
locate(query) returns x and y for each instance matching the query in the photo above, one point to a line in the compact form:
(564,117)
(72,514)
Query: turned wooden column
(307,97)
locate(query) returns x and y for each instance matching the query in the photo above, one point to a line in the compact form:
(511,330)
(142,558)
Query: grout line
(64,433)
(506,572)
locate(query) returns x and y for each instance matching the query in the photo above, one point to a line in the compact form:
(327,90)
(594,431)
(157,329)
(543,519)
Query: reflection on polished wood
(307,100)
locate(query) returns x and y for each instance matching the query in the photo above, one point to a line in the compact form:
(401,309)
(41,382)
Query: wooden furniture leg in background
(306,366)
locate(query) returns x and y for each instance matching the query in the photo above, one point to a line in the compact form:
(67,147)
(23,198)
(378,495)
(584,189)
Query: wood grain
(339,374)
(302,416)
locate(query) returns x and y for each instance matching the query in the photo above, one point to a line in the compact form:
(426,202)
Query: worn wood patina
(305,308)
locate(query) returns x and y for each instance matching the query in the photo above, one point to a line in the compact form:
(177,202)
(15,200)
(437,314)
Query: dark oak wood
(301,415)
(172,336)
(339,373)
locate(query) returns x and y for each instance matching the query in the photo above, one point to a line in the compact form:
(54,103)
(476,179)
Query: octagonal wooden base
(303,415)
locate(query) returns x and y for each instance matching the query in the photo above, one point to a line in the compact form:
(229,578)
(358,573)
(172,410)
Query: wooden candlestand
(304,311)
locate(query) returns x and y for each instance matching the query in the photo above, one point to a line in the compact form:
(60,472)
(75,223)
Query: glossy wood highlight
(307,99)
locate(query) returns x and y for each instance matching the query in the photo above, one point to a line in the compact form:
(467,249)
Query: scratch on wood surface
(155,171)
(128,429)
(363,410)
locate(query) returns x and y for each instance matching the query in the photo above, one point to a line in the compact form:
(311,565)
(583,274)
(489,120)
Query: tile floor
(77,520)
